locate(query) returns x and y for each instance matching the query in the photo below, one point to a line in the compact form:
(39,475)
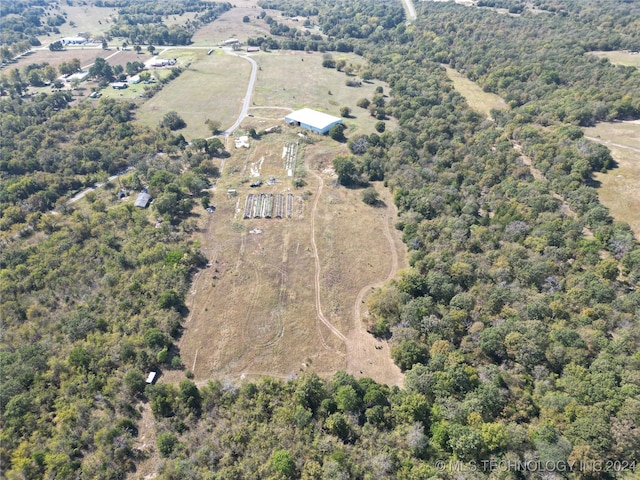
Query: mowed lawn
(479,100)
(620,188)
(212,87)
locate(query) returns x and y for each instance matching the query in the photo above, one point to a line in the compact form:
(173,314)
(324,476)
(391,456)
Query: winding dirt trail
(316,257)
(366,355)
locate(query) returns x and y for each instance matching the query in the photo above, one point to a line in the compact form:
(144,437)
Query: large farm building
(312,120)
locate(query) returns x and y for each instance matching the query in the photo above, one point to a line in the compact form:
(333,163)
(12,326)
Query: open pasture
(619,188)
(212,87)
(230,25)
(254,310)
(298,79)
(479,100)
(82,18)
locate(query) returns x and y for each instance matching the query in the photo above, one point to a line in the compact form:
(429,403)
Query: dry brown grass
(253,310)
(619,187)
(89,19)
(86,55)
(230,25)
(479,100)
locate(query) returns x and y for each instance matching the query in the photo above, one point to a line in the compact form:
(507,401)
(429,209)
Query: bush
(166,443)
(370,196)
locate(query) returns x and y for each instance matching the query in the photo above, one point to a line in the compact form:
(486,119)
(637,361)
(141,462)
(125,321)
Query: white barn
(73,41)
(312,120)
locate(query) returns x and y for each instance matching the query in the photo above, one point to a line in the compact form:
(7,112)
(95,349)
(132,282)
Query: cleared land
(479,100)
(254,310)
(213,87)
(620,57)
(230,25)
(298,79)
(620,188)
(280,295)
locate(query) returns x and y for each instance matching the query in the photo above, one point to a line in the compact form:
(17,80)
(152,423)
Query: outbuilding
(119,85)
(143,200)
(73,41)
(313,120)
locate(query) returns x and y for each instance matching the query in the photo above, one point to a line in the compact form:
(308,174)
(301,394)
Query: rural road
(247,97)
(83,193)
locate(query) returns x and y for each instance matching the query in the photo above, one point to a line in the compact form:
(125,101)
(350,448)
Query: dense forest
(517,323)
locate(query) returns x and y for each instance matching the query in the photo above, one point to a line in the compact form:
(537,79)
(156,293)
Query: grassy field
(479,100)
(230,25)
(85,18)
(212,87)
(297,80)
(280,301)
(620,58)
(619,189)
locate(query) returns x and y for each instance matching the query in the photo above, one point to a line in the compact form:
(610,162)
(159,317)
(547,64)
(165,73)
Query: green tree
(345,168)
(166,442)
(283,464)
(408,353)
(337,133)
(345,112)
(172,121)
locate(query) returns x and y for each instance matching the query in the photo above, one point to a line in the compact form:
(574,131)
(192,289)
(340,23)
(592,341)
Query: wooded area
(517,323)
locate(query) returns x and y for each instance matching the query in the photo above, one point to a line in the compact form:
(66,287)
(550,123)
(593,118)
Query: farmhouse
(143,200)
(312,120)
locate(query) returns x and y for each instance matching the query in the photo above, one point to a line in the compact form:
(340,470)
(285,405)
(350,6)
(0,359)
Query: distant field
(212,87)
(620,187)
(620,58)
(230,25)
(479,100)
(89,19)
